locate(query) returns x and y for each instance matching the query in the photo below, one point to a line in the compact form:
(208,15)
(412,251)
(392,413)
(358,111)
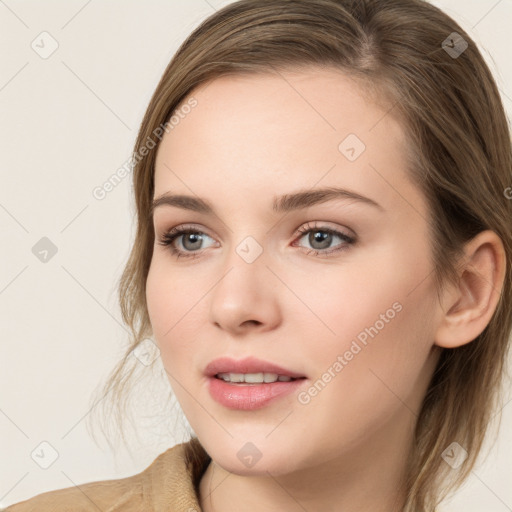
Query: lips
(247,365)
(250,396)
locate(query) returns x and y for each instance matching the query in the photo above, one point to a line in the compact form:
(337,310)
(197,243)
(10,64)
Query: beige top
(169,484)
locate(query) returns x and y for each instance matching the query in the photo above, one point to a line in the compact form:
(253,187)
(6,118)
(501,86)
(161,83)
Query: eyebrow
(286,203)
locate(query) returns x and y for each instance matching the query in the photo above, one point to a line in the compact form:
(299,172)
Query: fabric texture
(169,484)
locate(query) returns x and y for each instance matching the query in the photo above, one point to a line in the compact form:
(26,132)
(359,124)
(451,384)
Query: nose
(246,298)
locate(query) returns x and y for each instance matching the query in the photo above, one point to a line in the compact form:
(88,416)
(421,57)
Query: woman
(323,257)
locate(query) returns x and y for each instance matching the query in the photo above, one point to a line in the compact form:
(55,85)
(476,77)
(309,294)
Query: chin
(273,465)
(241,456)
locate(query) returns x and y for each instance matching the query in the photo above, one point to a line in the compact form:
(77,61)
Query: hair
(459,154)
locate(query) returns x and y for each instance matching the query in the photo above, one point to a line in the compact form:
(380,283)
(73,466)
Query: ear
(468,307)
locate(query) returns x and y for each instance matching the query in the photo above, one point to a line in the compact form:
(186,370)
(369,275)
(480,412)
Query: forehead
(296,107)
(257,134)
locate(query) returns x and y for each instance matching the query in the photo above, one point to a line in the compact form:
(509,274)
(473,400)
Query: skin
(250,138)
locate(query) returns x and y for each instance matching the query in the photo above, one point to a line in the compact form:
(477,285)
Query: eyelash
(170,236)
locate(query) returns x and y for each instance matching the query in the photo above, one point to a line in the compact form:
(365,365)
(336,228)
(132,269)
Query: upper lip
(246,365)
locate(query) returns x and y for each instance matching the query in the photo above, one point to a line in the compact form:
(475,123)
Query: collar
(171,483)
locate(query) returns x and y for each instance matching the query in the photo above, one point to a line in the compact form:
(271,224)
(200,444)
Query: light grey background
(68,122)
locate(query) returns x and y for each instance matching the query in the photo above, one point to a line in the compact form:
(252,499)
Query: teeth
(253,378)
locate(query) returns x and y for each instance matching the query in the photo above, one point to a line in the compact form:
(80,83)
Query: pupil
(323,238)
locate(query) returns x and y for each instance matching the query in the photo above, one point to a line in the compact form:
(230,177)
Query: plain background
(68,122)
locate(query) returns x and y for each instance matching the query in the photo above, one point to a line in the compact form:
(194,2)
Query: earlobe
(470,305)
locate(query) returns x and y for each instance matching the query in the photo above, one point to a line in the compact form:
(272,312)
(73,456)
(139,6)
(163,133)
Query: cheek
(165,303)
(372,370)
(377,314)
(369,291)
(176,313)
(158,300)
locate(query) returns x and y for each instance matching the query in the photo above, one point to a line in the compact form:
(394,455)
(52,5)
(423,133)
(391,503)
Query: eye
(321,238)
(191,241)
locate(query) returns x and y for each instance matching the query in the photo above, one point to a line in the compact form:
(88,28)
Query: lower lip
(249,396)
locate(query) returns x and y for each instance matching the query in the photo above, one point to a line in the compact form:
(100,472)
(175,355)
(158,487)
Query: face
(333,288)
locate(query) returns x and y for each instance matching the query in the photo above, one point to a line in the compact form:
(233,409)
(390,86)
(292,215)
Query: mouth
(249,370)
(252,379)
(250,383)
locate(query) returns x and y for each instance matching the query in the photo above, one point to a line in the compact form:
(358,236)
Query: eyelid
(186,227)
(324,225)
(315,224)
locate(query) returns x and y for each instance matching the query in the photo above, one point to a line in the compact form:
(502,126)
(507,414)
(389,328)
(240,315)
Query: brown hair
(460,157)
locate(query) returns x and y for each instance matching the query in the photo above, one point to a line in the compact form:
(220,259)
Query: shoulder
(133,493)
(106,495)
